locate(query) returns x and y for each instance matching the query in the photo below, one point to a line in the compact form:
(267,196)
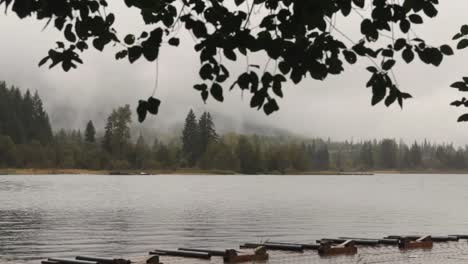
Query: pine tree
(41,121)
(191,139)
(208,133)
(90,133)
(246,155)
(108,133)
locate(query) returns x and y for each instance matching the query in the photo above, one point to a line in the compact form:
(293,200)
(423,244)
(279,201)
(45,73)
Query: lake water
(67,215)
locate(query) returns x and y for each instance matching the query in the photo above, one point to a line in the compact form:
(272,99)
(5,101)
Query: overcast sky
(338,107)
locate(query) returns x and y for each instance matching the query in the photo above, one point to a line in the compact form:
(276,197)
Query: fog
(338,107)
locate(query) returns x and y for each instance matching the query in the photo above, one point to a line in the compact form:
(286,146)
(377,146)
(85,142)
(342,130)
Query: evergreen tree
(247,157)
(108,133)
(366,156)
(388,154)
(208,133)
(90,132)
(191,139)
(415,156)
(323,158)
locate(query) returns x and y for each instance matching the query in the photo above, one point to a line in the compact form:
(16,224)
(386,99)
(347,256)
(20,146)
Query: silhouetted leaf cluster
(296,35)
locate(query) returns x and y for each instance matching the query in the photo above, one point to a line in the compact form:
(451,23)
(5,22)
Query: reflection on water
(62,216)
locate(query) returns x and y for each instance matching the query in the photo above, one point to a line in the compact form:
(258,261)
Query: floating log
(71,261)
(103,260)
(434,238)
(274,246)
(179,253)
(304,246)
(362,241)
(460,236)
(424,242)
(345,248)
(388,241)
(331,240)
(234,256)
(48,262)
(219,253)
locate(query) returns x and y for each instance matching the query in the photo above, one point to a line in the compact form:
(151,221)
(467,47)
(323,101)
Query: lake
(66,215)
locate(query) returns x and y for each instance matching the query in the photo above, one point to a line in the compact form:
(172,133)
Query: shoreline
(13,171)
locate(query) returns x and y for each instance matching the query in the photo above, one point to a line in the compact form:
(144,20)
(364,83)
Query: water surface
(67,215)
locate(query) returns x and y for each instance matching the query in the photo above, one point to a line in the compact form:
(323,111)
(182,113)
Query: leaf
(390,99)
(121,54)
(200,87)
(270,107)
(446,50)
(372,69)
(464,30)
(400,44)
(44,60)
(408,55)
(463,118)
(153,105)
(206,72)
(230,54)
(217,92)
(69,35)
(174,42)
(142,110)
(461,86)
(204,95)
(405,26)
(257,100)
(350,56)
(462,44)
(134,53)
(416,19)
(129,39)
(388,64)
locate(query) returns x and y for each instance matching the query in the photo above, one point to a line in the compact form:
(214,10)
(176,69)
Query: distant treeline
(27,141)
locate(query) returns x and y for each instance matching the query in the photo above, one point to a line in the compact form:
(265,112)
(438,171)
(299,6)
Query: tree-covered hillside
(27,141)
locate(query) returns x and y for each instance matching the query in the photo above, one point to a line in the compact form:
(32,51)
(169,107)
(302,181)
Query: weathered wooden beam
(178,253)
(71,261)
(304,246)
(460,236)
(362,241)
(103,260)
(274,246)
(219,253)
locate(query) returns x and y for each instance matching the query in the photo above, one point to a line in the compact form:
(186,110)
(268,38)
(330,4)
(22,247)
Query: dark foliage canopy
(299,36)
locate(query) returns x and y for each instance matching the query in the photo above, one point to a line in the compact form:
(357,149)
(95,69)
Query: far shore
(13,171)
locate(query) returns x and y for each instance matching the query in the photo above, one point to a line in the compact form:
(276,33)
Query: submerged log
(460,236)
(434,238)
(103,260)
(388,241)
(178,253)
(219,253)
(70,261)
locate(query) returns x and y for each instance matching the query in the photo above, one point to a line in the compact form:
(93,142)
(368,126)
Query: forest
(27,140)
